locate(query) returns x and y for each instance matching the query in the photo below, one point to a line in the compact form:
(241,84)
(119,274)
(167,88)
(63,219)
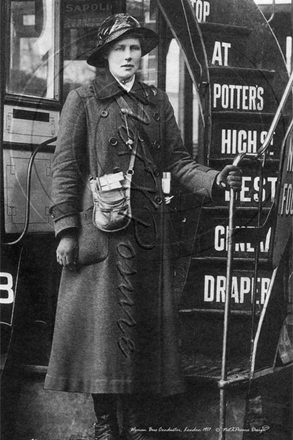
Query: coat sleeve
(193,176)
(68,164)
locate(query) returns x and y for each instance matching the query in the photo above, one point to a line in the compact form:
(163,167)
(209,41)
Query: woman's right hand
(67,251)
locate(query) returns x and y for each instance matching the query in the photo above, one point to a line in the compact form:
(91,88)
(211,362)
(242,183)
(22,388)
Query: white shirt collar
(128,85)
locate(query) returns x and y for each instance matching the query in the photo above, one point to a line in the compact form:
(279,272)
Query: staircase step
(242,90)
(241,72)
(226,45)
(205,284)
(212,233)
(224,29)
(238,132)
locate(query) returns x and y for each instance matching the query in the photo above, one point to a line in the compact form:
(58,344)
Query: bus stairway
(246,78)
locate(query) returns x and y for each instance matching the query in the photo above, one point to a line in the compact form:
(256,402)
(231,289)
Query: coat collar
(106,87)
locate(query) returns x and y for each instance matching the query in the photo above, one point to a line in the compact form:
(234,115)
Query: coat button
(156,145)
(52,214)
(104,113)
(158,200)
(156,116)
(113,141)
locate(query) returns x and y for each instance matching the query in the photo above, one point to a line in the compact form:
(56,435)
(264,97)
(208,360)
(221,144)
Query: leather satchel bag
(112,208)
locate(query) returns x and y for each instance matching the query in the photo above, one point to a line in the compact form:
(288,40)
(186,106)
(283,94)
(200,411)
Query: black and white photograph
(146,278)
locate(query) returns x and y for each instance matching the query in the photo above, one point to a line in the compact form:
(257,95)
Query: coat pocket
(92,243)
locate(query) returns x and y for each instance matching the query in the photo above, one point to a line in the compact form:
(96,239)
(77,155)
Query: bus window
(146,12)
(195,123)
(177,82)
(174,80)
(80,25)
(31,70)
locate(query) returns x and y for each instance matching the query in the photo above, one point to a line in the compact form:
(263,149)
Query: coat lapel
(106,87)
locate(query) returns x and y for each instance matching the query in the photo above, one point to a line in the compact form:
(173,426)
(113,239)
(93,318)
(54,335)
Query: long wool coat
(115,329)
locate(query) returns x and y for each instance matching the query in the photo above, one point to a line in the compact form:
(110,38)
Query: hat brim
(151,40)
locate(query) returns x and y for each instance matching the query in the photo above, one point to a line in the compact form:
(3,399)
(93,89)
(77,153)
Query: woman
(115,331)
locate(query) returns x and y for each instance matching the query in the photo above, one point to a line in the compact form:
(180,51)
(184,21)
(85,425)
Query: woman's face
(124,58)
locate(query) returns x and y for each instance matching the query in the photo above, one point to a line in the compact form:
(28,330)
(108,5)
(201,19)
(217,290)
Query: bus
(226,67)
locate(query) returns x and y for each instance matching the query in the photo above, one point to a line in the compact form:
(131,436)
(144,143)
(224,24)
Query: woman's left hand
(230,177)
(66,252)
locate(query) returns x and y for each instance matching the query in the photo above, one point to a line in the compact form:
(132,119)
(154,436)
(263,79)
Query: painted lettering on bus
(241,289)
(221,53)
(202,9)
(82,22)
(251,187)
(6,286)
(241,141)
(87,7)
(286,200)
(238,97)
(220,241)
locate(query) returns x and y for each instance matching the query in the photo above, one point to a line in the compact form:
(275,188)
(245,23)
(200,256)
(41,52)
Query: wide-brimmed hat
(116,26)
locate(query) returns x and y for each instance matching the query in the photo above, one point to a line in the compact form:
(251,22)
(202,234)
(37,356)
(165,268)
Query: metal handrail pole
(230,244)
(222,383)
(256,268)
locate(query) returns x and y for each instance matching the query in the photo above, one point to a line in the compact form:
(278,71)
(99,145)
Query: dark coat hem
(111,386)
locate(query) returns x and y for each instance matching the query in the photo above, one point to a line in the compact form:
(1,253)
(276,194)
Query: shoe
(106,428)
(131,429)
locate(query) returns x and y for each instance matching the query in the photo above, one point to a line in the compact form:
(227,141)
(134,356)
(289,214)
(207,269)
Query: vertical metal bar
(254,288)
(262,317)
(222,384)
(277,116)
